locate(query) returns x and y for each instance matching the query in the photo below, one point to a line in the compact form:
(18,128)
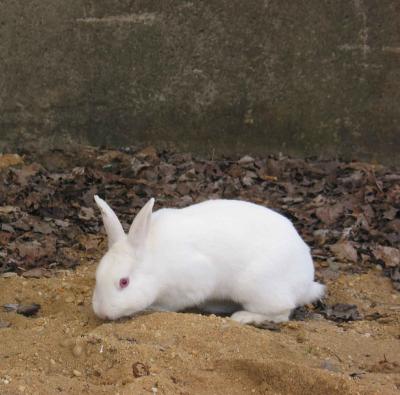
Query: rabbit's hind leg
(247,317)
(265,303)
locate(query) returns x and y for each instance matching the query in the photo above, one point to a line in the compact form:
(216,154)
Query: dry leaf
(330,214)
(8,160)
(345,251)
(389,255)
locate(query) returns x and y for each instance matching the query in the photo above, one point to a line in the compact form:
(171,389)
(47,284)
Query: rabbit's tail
(316,291)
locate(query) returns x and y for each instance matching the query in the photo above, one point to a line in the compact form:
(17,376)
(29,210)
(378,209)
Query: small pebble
(9,275)
(76,373)
(4,324)
(80,301)
(246,160)
(37,272)
(6,380)
(139,369)
(70,299)
(52,362)
(67,342)
(301,338)
(28,310)
(11,306)
(77,350)
(328,365)
(292,325)
(21,388)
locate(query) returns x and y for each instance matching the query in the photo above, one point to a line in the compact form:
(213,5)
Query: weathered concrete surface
(311,77)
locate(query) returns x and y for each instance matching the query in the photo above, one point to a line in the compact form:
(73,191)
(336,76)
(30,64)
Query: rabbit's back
(214,225)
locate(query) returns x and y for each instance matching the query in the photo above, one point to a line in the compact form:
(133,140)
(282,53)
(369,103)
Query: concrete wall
(304,77)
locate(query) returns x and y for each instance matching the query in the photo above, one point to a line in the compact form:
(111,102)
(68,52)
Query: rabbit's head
(116,293)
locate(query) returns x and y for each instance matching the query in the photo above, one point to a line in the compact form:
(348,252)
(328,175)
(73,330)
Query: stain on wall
(308,78)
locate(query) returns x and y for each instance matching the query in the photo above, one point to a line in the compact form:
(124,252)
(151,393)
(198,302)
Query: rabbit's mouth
(128,316)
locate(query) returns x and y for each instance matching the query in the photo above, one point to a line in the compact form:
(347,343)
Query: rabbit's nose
(101,315)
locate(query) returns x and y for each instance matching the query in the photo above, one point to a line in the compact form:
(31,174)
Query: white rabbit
(214,252)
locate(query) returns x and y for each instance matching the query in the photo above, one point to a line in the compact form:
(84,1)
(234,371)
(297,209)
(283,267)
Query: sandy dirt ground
(65,349)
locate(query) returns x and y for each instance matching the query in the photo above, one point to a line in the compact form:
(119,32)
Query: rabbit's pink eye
(124,282)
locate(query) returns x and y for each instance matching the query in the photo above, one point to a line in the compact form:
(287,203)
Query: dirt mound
(64,348)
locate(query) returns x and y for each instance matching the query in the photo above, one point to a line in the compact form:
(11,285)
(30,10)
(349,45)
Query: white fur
(219,250)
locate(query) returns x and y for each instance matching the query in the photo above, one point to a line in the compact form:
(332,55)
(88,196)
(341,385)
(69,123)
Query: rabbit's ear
(141,225)
(111,222)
